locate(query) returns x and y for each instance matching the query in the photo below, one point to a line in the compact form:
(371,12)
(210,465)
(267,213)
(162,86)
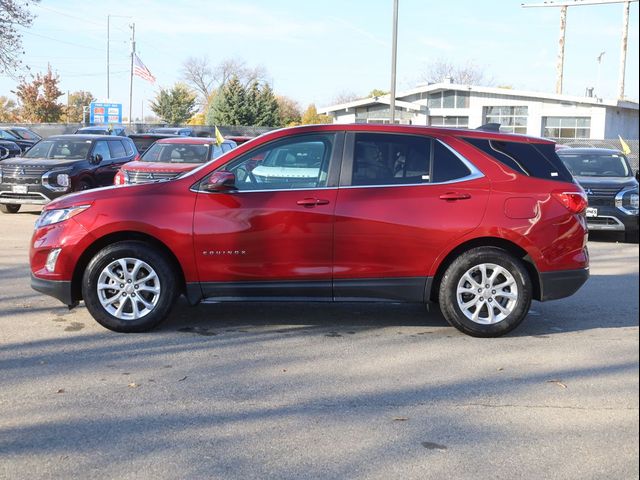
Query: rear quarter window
(533,160)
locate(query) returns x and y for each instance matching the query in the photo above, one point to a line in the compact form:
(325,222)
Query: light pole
(394,52)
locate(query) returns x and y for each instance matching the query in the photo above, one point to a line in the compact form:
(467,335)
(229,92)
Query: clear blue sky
(315,50)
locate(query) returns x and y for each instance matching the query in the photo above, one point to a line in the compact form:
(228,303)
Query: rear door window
(387,159)
(117,149)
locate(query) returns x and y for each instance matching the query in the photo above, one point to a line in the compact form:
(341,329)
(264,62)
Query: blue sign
(105,113)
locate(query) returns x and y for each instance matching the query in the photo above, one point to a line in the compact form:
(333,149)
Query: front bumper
(59,289)
(561,284)
(36,194)
(612,219)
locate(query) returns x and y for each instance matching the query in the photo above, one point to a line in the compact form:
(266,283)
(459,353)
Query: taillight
(575,202)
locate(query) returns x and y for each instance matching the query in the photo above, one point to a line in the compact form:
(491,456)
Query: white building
(532,113)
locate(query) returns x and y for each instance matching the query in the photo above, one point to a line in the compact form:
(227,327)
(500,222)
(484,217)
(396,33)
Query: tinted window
(117,150)
(176,153)
(383,159)
(7,136)
(298,162)
(217,151)
(102,148)
(142,143)
(60,149)
(538,160)
(128,146)
(446,165)
(226,147)
(596,164)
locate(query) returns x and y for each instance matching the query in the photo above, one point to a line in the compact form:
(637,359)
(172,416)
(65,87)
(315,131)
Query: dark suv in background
(611,187)
(61,164)
(10,135)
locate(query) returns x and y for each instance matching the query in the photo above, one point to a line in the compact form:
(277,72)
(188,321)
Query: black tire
(83,185)
(9,207)
(134,250)
(463,264)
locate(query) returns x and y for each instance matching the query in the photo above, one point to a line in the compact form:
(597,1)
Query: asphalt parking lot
(319,391)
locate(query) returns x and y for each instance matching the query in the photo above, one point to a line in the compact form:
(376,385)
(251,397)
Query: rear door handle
(312,202)
(455,196)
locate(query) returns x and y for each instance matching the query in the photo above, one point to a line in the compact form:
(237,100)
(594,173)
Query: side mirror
(220,182)
(96,159)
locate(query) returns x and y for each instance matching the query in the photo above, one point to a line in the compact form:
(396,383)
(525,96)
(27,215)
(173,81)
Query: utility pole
(108,58)
(133,53)
(560,62)
(563,4)
(394,52)
(623,50)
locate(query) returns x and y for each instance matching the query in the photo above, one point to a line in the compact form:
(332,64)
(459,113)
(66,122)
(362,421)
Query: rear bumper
(59,289)
(561,284)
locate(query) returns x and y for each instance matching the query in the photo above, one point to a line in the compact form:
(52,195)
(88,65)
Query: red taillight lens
(575,202)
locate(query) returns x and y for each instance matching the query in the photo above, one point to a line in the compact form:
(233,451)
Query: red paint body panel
(399,231)
(277,238)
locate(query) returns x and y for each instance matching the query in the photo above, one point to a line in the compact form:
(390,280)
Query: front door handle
(312,202)
(455,196)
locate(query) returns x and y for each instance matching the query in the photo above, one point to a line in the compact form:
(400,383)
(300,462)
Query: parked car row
(605,174)
(61,164)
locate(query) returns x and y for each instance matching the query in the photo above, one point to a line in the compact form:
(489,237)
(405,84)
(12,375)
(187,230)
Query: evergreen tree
(268,109)
(175,106)
(229,106)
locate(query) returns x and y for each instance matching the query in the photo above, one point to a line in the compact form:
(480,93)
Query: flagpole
(133,52)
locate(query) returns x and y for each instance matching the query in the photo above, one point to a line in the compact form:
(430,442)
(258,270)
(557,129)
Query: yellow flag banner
(219,137)
(625,148)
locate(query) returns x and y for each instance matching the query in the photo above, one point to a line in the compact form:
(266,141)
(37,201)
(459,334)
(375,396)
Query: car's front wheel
(9,208)
(485,292)
(129,287)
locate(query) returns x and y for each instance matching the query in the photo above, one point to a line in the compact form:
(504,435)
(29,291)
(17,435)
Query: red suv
(480,222)
(169,157)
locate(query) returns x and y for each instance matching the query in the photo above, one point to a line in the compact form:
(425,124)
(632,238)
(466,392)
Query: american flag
(140,70)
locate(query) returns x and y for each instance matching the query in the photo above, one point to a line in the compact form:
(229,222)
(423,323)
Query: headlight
(627,201)
(62,179)
(49,217)
(57,180)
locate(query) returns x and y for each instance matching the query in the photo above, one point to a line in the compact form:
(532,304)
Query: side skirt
(399,290)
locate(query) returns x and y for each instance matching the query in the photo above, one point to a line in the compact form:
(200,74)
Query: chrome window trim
(474,175)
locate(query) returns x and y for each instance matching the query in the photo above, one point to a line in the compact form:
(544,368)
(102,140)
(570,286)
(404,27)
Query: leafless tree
(345,97)
(13,14)
(466,74)
(205,78)
(198,74)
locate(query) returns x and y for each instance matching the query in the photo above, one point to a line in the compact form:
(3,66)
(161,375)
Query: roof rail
(489,127)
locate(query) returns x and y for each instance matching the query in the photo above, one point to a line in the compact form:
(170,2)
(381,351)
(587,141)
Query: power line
(61,41)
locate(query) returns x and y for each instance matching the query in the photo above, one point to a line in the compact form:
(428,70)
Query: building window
(566,127)
(457,122)
(448,99)
(511,119)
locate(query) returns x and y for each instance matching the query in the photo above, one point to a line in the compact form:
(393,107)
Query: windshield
(176,153)
(25,134)
(60,149)
(596,164)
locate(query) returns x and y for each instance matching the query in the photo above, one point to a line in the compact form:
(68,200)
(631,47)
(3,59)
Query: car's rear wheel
(485,292)
(129,287)
(9,208)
